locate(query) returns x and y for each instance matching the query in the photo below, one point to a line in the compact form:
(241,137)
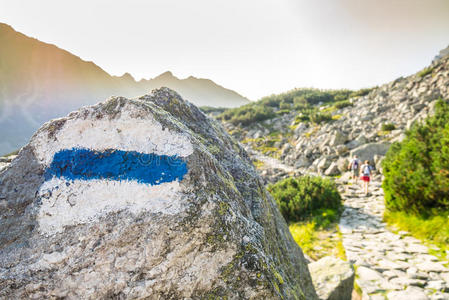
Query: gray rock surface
(369,151)
(332,170)
(214,233)
(333,278)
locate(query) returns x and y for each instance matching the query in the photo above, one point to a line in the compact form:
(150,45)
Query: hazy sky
(254,47)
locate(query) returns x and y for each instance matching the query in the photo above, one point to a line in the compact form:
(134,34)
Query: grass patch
(383,133)
(329,109)
(319,236)
(312,132)
(283,112)
(336,117)
(318,118)
(258,164)
(265,145)
(342,104)
(388,127)
(432,230)
(425,72)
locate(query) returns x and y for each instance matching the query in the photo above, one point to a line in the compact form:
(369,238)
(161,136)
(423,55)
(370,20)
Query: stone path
(388,266)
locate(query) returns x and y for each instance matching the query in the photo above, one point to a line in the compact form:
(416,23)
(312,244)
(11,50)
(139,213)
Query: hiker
(365,172)
(354,165)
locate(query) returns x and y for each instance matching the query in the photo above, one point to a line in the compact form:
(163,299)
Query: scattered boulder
(302,162)
(300,128)
(360,140)
(342,164)
(323,164)
(341,149)
(142,198)
(332,170)
(333,278)
(337,139)
(378,162)
(368,151)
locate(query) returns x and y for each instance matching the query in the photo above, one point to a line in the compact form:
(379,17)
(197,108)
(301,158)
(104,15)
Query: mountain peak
(4,26)
(127,76)
(166,74)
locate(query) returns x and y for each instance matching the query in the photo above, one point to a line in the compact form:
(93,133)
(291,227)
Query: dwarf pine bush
(302,197)
(417,169)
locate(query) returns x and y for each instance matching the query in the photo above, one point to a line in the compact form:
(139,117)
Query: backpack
(355,164)
(366,170)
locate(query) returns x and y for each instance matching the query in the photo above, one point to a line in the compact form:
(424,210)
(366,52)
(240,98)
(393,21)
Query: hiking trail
(388,265)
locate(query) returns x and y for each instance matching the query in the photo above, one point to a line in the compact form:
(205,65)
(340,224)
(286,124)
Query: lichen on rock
(104,233)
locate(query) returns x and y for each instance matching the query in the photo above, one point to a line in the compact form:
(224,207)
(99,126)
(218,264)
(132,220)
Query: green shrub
(425,72)
(304,197)
(302,118)
(304,101)
(388,127)
(272,101)
(318,118)
(342,104)
(209,109)
(417,169)
(285,105)
(283,112)
(247,114)
(361,92)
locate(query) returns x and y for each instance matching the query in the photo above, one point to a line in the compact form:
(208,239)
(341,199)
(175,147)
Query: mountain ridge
(40,81)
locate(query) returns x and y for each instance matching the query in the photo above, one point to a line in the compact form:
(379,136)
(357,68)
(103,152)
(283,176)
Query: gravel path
(389,266)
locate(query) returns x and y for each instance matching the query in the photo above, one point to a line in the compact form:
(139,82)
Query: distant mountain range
(39,81)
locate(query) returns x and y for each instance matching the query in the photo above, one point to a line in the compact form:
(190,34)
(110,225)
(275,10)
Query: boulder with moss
(142,198)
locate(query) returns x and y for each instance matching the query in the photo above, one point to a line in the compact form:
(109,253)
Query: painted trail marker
(97,166)
(85,164)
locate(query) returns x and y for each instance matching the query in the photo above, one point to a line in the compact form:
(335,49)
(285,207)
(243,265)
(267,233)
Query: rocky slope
(39,81)
(142,198)
(355,129)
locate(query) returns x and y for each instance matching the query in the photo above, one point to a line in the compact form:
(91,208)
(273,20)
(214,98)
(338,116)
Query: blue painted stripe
(85,164)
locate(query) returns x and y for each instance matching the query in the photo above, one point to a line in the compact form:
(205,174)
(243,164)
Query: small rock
(368,274)
(333,278)
(431,267)
(410,293)
(332,170)
(439,285)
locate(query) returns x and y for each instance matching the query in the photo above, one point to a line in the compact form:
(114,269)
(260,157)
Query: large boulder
(332,170)
(368,151)
(333,278)
(142,198)
(323,164)
(337,138)
(361,139)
